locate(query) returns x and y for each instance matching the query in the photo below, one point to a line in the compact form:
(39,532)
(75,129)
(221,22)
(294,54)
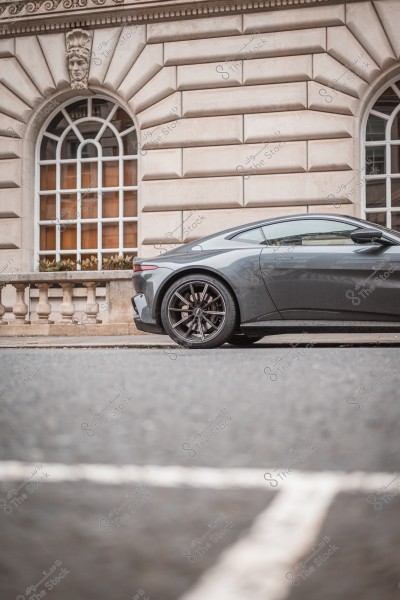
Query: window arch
(382,159)
(87,183)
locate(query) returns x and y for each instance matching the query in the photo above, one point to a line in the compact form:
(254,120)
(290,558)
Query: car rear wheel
(198,311)
(244,340)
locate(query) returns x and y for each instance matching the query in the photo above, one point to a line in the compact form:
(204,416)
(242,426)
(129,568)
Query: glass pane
(68,206)
(69,148)
(396,221)
(376,194)
(89,209)
(130,203)
(129,142)
(375,128)
(130,235)
(68,238)
(58,125)
(68,176)
(89,262)
(109,143)
(375,159)
(89,235)
(47,208)
(101,108)
(395,193)
(89,175)
(302,232)
(70,257)
(387,102)
(121,120)
(395,158)
(395,133)
(48,177)
(47,237)
(89,151)
(110,204)
(48,149)
(111,173)
(110,235)
(89,129)
(253,236)
(77,110)
(377,217)
(130,172)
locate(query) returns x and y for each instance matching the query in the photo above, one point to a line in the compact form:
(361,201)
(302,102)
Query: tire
(244,340)
(199,311)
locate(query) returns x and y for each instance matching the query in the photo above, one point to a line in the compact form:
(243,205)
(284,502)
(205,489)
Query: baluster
(67,308)
(20,308)
(43,308)
(92,306)
(2,307)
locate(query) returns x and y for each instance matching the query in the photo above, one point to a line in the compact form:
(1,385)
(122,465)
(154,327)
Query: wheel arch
(192,271)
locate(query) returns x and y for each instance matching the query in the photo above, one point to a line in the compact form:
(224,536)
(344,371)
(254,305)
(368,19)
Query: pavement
(163,341)
(225,474)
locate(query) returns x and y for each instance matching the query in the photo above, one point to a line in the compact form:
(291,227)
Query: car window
(309,232)
(251,236)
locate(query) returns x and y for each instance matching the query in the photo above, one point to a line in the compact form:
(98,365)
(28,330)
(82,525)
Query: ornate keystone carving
(79,44)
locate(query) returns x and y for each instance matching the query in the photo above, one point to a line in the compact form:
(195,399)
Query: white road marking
(178,476)
(256,566)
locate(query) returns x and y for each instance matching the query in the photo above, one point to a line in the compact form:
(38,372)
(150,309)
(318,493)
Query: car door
(314,270)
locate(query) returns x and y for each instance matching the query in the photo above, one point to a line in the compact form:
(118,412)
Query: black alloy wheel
(199,312)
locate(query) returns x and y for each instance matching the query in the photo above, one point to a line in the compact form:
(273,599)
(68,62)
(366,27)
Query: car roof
(246,226)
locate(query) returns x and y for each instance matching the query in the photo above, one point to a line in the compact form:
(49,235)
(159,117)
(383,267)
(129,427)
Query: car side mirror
(366,236)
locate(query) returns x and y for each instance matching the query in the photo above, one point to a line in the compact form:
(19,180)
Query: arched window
(87,184)
(382,160)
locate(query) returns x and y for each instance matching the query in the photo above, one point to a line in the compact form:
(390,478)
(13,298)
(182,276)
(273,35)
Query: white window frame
(388,210)
(82,253)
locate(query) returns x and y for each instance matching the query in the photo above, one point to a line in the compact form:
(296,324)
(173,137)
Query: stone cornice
(39,16)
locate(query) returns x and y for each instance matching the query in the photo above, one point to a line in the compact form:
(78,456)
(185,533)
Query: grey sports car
(302,273)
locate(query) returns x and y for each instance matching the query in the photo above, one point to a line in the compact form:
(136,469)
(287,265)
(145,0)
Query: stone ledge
(67,277)
(66,329)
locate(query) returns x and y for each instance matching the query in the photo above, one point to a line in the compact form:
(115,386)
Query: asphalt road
(281,411)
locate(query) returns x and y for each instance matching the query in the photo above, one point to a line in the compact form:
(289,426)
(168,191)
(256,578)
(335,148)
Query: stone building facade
(132,127)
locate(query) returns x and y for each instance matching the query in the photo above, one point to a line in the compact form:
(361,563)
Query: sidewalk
(162,341)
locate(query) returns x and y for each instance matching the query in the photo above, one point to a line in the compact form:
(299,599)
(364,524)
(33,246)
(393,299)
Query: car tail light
(137,268)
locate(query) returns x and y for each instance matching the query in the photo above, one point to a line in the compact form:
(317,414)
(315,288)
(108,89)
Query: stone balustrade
(67,303)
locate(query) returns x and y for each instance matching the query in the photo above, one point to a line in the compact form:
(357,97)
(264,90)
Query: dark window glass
(375,128)
(377,217)
(109,143)
(387,102)
(121,120)
(395,133)
(48,149)
(395,192)
(89,151)
(375,159)
(309,232)
(130,144)
(77,110)
(395,158)
(396,221)
(69,148)
(101,108)
(58,125)
(252,236)
(376,194)
(89,129)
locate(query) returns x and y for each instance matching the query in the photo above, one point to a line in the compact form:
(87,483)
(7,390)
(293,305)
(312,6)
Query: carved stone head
(79,43)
